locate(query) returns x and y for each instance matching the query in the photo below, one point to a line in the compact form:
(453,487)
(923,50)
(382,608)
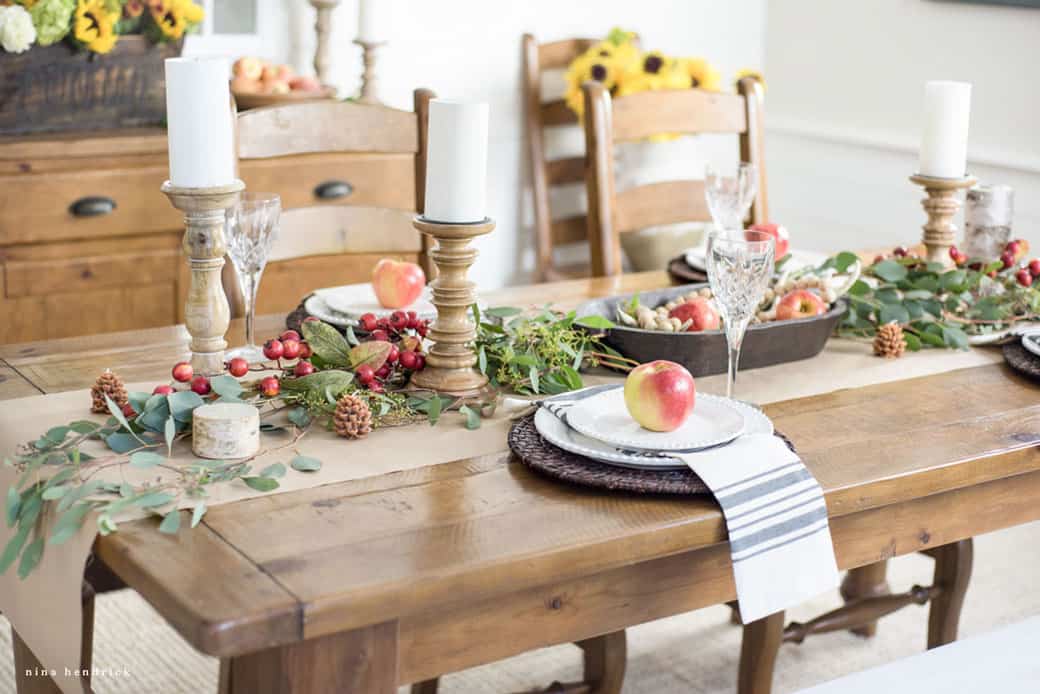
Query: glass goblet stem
(734,341)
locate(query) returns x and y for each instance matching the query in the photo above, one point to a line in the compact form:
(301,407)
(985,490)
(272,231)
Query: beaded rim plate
(1031,341)
(315,306)
(605,417)
(553,430)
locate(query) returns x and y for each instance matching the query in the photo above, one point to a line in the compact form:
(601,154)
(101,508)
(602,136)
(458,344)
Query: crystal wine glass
(739,270)
(252,226)
(729,192)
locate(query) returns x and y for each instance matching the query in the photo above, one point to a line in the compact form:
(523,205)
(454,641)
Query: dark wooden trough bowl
(705,353)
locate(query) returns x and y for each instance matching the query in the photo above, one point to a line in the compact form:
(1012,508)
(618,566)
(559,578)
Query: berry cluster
(404,331)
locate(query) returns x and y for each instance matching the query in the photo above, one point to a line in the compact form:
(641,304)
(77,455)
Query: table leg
(865,582)
(363,661)
(25,662)
(605,660)
(758,649)
(952,574)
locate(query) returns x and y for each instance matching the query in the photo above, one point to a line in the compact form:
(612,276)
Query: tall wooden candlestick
(323,30)
(206,312)
(369,80)
(451,363)
(941,205)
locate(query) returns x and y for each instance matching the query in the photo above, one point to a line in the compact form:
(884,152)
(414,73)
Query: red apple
(248,67)
(397,284)
(800,303)
(277,73)
(660,395)
(783,243)
(700,311)
(304,84)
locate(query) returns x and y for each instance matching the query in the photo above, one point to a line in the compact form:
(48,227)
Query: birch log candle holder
(225,431)
(451,362)
(206,312)
(369,80)
(941,206)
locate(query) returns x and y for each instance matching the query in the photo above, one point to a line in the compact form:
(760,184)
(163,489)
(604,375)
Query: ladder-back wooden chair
(350,205)
(638,116)
(545,173)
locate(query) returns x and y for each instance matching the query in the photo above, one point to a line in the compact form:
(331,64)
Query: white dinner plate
(605,417)
(355,300)
(316,306)
(553,430)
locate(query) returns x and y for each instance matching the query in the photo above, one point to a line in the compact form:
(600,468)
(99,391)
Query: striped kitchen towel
(776,517)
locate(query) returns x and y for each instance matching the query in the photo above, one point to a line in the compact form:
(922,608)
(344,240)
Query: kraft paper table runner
(45,608)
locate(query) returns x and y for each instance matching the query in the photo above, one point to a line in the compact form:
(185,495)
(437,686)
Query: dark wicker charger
(1022,360)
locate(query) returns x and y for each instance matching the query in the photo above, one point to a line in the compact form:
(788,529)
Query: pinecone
(111,385)
(889,342)
(352,419)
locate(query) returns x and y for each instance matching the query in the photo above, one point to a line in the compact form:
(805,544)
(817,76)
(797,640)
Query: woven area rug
(695,652)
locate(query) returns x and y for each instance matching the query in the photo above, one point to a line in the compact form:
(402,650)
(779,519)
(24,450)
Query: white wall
(471,49)
(844,103)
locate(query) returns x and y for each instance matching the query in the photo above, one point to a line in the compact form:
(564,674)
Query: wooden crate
(55,88)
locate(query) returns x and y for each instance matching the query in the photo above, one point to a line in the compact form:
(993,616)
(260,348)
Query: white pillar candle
(374,18)
(456,162)
(944,139)
(199,127)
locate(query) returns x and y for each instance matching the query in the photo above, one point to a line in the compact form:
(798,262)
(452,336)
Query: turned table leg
(865,582)
(952,574)
(363,661)
(758,649)
(24,660)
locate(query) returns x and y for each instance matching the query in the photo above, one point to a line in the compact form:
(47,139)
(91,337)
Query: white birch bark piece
(225,431)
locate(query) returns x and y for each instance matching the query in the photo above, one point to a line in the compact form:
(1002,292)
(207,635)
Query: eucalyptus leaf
(197,513)
(14,503)
(57,434)
(472,417)
(226,386)
(118,414)
(533,375)
(334,381)
(84,427)
(597,322)
(913,342)
(273,470)
(300,417)
(352,338)
(30,558)
(153,499)
(503,311)
(139,400)
(433,411)
(182,403)
(55,493)
(890,270)
(69,522)
(169,432)
(303,463)
(14,547)
(145,459)
(261,484)
(171,523)
(893,313)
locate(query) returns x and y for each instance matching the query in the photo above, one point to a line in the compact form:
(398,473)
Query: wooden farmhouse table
(364,585)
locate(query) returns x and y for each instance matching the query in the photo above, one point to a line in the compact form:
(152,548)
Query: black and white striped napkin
(776,516)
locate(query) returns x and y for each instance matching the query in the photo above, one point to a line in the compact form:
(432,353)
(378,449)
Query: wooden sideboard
(88,244)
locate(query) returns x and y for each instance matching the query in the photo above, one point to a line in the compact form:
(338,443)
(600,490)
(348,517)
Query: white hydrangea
(17,32)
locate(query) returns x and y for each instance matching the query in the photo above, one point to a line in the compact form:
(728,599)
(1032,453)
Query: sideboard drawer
(84,204)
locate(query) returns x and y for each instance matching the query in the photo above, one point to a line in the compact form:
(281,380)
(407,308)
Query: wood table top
(272,570)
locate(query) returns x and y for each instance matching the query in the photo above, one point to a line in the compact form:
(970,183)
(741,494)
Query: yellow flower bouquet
(96,25)
(624,68)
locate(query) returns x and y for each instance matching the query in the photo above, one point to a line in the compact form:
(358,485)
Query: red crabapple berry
(273,349)
(375,387)
(162,389)
(393,355)
(290,335)
(423,328)
(311,319)
(953,253)
(290,349)
(200,384)
(368,322)
(1007,259)
(238,367)
(398,320)
(305,351)
(380,335)
(128,411)
(413,320)
(1024,278)
(1034,267)
(407,360)
(900,251)
(365,374)
(420,362)
(383,371)
(182,372)
(303,368)
(270,387)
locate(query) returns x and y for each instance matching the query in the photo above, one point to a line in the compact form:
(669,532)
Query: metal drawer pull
(330,190)
(92,206)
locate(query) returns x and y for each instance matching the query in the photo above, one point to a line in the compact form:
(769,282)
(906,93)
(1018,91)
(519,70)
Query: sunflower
(94,25)
(169,16)
(755,74)
(700,74)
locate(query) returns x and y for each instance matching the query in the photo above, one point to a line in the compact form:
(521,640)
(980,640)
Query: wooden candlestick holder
(323,30)
(451,363)
(206,312)
(369,80)
(941,205)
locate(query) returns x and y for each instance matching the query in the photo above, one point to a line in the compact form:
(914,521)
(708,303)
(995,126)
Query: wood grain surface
(479,559)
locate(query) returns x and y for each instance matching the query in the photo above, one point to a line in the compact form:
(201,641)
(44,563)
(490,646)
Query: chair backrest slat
(556,113)
(325,126)
(667,202)
(569,230)
(557,55)
(564,171)
(639,116)
(341,229)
